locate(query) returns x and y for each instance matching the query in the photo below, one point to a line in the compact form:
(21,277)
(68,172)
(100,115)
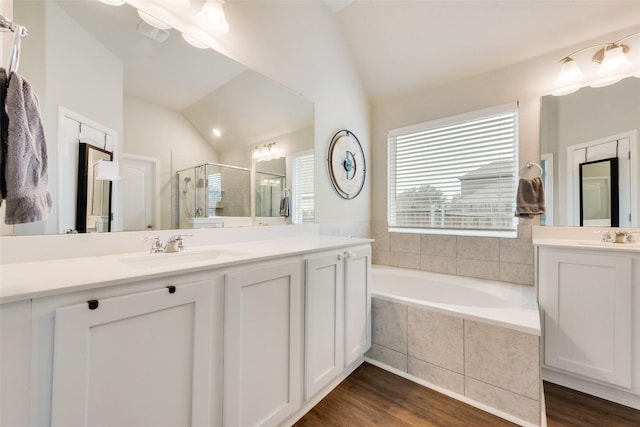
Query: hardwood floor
(374,397)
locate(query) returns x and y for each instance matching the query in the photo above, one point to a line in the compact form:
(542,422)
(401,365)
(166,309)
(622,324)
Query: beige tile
(438,264)
(436,375)
(436,338)
(381,235)
(514,404)
(480,269)
(380,257)
(502,357)
(389,324)
(404,242)
(437,244)
(518,251)
(516,273)
(388,357)
(525,231)
(405,260)
(480,248)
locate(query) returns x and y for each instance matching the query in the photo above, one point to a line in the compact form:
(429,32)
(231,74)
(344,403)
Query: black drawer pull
(172,289)
(93,304)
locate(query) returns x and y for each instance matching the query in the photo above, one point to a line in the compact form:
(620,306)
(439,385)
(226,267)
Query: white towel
(25,161)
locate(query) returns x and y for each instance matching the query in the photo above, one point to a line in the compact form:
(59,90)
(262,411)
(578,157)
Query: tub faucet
(175,243)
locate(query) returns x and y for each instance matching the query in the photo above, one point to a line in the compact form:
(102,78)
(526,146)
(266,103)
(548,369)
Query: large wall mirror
(168,105)
(581,131)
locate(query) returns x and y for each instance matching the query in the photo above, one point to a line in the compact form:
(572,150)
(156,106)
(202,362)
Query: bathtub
(502,304)
(475,340)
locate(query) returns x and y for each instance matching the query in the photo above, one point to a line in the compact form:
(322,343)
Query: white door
(140,193)
(324,320)
(142,359)
(263,344)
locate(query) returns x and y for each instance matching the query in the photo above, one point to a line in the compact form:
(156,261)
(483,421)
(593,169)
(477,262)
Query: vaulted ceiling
(400,46)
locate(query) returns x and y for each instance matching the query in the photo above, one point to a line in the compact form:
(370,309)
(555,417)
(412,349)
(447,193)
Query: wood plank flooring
(374,397)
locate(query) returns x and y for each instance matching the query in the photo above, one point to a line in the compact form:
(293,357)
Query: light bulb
(614,59)
(217,132)
(153,21)
(213,14)
(569,72)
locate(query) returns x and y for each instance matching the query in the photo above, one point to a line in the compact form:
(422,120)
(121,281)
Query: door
(586,300)
(133,360)
(619,146)
(324,320)
(263,344)
(140,193)
(357,302)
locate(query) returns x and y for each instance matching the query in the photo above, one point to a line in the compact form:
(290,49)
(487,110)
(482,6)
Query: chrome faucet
(175,243)
(156,246)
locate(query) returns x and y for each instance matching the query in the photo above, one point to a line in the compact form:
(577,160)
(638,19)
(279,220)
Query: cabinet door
(142,359)
(357,303)
(324,320)
(587,303)
(263,344)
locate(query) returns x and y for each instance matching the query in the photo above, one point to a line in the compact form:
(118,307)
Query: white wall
(525,82)
(154,131)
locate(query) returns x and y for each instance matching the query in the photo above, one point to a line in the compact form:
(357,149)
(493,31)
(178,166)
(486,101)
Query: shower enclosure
(206,192)
(270,189)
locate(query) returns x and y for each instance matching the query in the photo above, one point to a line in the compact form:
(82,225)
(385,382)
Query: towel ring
(529,165)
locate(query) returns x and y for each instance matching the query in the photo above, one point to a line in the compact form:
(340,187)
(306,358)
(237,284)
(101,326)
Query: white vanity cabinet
(263,343)
(337,305)
(136,359)
(588,299)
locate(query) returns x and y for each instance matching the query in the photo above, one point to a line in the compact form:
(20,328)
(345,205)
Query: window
(456,174)
(214,194)
(303,196)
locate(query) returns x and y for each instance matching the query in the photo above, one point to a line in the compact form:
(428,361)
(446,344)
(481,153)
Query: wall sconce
(213,15)
(614,65)
(266,152)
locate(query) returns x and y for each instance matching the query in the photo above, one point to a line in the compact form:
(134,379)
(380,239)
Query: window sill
(506,234)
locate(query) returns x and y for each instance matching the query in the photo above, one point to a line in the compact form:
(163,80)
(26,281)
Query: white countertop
(582,238)
(588,245)
(26,280)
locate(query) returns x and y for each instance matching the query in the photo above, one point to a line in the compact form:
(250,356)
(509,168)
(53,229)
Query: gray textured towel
(4,128)
(25,161)
(284,207)
(530,197)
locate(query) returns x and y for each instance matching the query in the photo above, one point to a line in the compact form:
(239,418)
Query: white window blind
(457,173)
(303,210)
(214,193)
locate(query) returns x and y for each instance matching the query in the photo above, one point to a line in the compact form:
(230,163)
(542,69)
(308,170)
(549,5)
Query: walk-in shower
(209,191)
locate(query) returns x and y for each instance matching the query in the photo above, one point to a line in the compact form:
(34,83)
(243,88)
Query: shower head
(187,179)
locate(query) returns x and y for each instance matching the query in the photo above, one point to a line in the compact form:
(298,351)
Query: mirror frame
(613,191)
(86,178)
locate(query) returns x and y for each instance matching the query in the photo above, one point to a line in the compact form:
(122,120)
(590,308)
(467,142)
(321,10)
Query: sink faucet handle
(156,245)
(606,236)
(176,243)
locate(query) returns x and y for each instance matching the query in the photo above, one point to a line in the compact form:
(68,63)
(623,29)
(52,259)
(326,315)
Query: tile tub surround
(493,258)
(491,365)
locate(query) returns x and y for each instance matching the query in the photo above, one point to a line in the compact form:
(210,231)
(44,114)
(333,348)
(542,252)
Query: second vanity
(245,333)
(589,296)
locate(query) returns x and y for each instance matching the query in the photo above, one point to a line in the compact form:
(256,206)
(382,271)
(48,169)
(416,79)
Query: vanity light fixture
(153,21)
(266,152)
(214,16)
(613,61)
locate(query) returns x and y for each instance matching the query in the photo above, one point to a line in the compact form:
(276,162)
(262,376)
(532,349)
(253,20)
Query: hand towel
(25,163)
(4,128)
(530,197)
(284,207)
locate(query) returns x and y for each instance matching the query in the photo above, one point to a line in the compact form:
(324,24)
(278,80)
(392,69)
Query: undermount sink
(177,258)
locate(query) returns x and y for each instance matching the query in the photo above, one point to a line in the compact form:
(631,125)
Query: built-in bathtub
(475,340)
